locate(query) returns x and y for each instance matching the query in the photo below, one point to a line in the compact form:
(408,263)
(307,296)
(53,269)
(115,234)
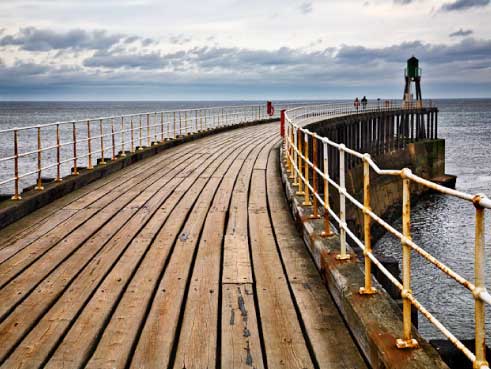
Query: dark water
(443,226)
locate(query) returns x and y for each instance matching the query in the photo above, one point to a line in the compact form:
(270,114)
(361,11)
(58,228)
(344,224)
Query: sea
(442,225)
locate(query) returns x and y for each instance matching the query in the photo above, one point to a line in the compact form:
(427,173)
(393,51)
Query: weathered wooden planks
(326,332)
(156,270)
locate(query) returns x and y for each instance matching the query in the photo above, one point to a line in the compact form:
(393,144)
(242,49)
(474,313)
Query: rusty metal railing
(300,164)
(32,153)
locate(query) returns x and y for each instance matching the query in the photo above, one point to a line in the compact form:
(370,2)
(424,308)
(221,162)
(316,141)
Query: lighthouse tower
(412,74)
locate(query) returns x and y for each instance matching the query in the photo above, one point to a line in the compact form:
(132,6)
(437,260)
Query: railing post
(162,126)
(58,155)
(16,195)
(306,199)
(479,282)
(295,157)
(89,147)
(149,138)
(132,136)
(39,184)
(74,132)
(101,131)
(123,154)
(327,232)
(367,289)
(186,128)
(113,140)
(140,147)
(174,130)
(342,205)
(300,151)
(315,212)
(406,341)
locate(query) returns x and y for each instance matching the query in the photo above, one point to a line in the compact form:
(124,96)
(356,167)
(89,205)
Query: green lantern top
(413,70)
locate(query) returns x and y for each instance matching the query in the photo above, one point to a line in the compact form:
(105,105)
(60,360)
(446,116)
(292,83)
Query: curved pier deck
(188,259)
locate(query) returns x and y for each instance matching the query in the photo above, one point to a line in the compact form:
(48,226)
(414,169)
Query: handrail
(299,165)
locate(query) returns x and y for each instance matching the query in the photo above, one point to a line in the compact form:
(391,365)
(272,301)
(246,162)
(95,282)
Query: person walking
(364,102)
(356,104)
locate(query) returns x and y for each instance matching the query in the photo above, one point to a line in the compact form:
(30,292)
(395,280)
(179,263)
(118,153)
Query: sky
(241,49)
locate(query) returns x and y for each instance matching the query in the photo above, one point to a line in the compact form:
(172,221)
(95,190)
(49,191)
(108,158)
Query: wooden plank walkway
(188,259)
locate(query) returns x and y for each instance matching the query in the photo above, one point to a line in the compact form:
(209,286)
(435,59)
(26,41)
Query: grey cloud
(462,33)
(124,60)
(179,39)
(464,5)
(35,39)
(403,2)
(306,7)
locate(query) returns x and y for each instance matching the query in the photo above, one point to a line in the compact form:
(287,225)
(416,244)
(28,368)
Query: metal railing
(33,153)
(301,166)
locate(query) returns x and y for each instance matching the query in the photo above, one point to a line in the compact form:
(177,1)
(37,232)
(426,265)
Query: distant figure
(378,103)
(364,102)
(356,104)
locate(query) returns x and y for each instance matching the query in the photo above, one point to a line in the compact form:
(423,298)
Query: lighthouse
(412,73)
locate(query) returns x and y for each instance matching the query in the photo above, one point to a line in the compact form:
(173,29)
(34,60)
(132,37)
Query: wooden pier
(188,259)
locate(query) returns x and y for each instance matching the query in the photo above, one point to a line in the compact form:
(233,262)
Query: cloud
(124,60)
(462,33)
(179,39)
(306,7)
(458,5)
(403,2)
(35,39)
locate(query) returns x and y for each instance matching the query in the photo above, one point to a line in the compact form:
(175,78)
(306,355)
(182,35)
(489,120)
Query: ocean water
(442,225)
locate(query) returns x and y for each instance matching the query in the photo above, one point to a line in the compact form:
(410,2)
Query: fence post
(300,154)
(315,212)
(295,155)
(58,155)
(149,138)
(306,166)
(406,341)
(367,289)
(479,282)
(89,147)
(16,195)
(342,205)
(161,126)
(123,154)
(101,130)
(74,132)
(327,225)
(132,136)
(39,183)
(113,140)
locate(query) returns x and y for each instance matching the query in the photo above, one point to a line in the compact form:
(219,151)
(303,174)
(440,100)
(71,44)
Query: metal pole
(295,154)
(327,225)
(101,130)
(162,127)
(141,133)
(89,147)
(16,195)
(113,141)
(74,131)
(479,282)
(148,132)
(306,199)
(58,155)
(368,289)
(407,341)
(299,177)
(342,205)
(174,133)
(123,154)
(132,136)
(39,185)
(315,213)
